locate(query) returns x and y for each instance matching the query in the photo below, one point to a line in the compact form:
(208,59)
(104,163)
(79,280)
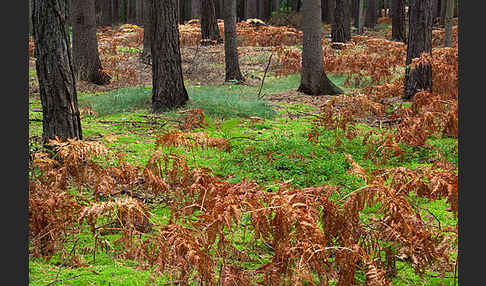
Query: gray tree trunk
(448,23)
(86,59)
(398,21)
(106,13)
(168,90)
(251,8)
(57,84)
(341,27)
(419,41)
(314,80)
(209,25)
(232,65)
(371,14)
(195,9)
(361,17)
(146,56)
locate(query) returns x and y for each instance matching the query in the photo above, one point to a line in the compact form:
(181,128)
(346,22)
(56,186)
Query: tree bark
(331,7)
(361,17)
(355,12)
(324,12)
(232,65)
(168,90)
(57,85)
(341,27)
(86,58)
(106,13)
(251,8)
(314,80)
(371,15)
(139,12)
(146,56)
(209,25)
(398,21)
(448,23)
(195,9)
(116,15)
(30,17)
(442,11)
(419,41)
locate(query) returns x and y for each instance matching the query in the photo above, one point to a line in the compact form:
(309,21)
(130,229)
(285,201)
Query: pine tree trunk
(251,8)
(209,25)
(419,41)
(232,66)
(314,80)
(116,15)
(106,13)
(196,9)
(139,12)
(331,7)
(398,21)
(371,16)
(168,90)
(361,17)
(146,56)
(57,84)
(86,58)
(341,27)
(448,23)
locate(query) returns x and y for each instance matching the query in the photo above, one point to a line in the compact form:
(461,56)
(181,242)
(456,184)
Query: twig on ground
(265,74)
(65,259)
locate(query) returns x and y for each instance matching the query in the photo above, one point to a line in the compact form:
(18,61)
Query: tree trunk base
(100,78)
(325,87)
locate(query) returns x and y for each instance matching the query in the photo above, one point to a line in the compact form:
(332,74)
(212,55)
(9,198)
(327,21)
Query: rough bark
(314,80)
(195,9)
(168,90)
(116,15)
(57,85)
(209,25)
(232,66)
(86,58)
(146,56)
(341,27)
(106,13)
(448,23)
(371,14)
(398,21)
(419,41)
(331,7)
(251,8)
(361,17)
(139,12)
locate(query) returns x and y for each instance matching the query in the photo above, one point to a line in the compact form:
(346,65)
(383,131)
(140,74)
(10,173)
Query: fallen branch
(265,74)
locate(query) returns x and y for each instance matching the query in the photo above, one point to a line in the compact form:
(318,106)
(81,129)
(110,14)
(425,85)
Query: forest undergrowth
(364,191)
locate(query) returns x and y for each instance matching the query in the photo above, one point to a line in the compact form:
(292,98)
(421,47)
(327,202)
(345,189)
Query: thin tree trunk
(331,7)
(209,25)
(341,27)
(448,23)
(86,58)
(106,13)
(115,5)
(314,80)
(168,85)
(443,11)
(30,17)
(361,17)
(398,21)
(196,9)
(324,9)
(251,8)
(232,66)
(139,12)
(371,18)
(419,41)
(57,84)
(146,56)
(355,12)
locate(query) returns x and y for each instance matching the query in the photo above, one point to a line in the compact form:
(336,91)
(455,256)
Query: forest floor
(265,140)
